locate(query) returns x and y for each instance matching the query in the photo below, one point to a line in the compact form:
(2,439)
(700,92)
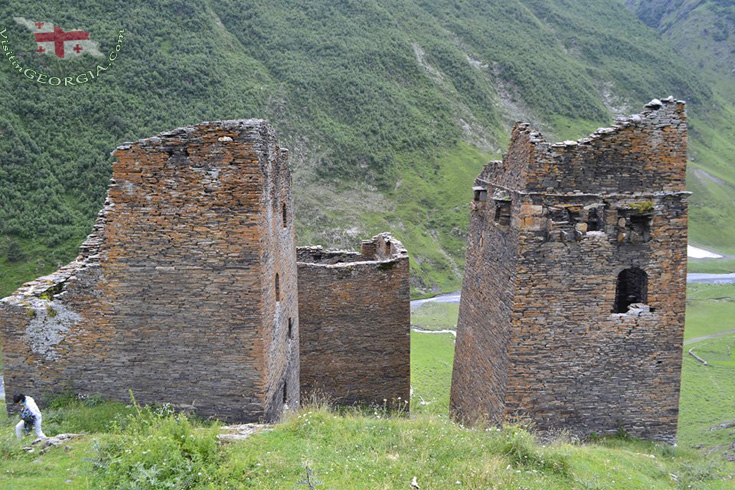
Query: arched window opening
(278,288)
(632,288)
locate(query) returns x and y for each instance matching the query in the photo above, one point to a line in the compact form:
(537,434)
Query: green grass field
(708,392)
(710,309)
(128,447)
(711,266)
(431,372)
(436,316)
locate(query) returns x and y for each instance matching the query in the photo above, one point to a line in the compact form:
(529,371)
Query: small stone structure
(355,323)
(186,290)
(573,300)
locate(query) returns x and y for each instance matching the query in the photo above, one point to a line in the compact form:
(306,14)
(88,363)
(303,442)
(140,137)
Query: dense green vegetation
(154,449)
(389,107)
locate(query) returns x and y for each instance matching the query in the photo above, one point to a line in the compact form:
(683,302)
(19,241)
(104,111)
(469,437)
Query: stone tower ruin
(186,290)
(355,323)
(573,300)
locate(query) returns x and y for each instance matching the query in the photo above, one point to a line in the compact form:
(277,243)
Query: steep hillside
(389,107)
(703,33)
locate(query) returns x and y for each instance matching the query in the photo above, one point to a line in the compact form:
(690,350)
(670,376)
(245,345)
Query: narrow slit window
(632,287)
(285,393)
(285,215)
(290,328)
(278,288)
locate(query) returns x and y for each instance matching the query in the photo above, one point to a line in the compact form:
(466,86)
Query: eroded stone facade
(355,323)
(573,300)
(186,290)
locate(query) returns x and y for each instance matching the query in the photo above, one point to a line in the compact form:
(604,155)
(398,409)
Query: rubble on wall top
(347,258)
(620,122)
(186,131)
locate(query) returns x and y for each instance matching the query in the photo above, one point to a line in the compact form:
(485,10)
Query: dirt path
(707,337)
(421,330)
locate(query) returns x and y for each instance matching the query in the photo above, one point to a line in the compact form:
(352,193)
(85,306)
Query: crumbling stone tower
(572,309)
(355,330)
(186,290)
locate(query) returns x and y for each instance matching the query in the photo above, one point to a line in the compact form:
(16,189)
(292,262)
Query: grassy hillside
(703,33)
(317,448)
(389,107)
(708,392)
(126,447)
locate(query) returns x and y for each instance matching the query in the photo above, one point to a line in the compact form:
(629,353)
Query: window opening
(641,226)
(594,220)
(502,212)
(632,287)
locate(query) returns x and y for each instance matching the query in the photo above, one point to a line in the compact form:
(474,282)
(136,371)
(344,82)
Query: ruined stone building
(354,310)
(573,300)
(186,292)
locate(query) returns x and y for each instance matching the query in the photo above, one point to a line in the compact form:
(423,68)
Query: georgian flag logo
(53,40)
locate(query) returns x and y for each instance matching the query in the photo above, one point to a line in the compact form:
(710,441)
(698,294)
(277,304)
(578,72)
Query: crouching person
(30,417)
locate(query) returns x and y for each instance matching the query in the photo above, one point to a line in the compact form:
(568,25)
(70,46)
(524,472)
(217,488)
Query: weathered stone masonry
(572,309)
(186,291)
(355,323)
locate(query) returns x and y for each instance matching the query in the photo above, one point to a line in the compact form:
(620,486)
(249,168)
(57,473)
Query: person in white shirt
(30,415)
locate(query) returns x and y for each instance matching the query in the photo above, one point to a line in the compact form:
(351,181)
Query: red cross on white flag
(53,40)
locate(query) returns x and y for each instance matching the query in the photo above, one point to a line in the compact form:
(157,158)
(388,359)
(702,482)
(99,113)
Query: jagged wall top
(643,153)
(379,249)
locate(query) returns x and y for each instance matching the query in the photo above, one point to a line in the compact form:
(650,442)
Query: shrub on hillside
(155,449)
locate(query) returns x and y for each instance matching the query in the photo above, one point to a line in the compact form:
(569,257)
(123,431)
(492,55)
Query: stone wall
(355,323)
(173,295)
(539,332)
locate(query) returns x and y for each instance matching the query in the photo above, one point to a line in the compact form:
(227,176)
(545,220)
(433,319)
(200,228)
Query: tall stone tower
(185,292)
(572,309)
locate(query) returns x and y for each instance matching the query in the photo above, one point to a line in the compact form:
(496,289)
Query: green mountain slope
(703,33)
(389,108)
